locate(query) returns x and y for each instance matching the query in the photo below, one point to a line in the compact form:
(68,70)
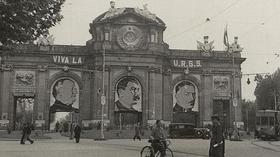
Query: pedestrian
(77,132)
(137,132)
(26,132)
(217,144)
(158,139)
(60,128)
(57,126)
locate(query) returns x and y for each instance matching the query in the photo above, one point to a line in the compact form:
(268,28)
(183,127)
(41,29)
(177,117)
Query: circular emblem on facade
(130,37)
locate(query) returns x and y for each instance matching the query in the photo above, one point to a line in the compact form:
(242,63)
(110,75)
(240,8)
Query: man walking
(217,140)
(77,132)
(26,132)
(137,132)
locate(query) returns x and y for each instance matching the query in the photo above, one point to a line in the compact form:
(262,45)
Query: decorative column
(167,104)
(6,80)
(152,101)
(155,95)
(42,113)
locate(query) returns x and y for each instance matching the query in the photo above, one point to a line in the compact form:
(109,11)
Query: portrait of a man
(185,97)
(65,93)
(128,95)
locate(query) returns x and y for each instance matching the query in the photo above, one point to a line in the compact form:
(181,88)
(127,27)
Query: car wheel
(198,134)
(206,136)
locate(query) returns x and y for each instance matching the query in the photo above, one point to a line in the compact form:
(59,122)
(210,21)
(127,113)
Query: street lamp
(234,101)
(103,98)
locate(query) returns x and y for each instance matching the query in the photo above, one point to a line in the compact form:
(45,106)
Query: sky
(255,22)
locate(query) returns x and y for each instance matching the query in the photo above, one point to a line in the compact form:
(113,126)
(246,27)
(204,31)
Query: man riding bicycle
(158,139)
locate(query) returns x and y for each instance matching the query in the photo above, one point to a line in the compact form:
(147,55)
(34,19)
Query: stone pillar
(167,96)
(158,95)
(5,93)
(84,104)
(206,103)
(42,109)
(152,95)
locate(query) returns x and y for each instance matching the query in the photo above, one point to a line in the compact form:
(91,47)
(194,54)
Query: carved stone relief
(24,78)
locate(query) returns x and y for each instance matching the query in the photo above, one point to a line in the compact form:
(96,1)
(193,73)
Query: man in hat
(217,140)
(158,139)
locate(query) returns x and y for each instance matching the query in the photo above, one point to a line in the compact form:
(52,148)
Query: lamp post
(103,97)
(234,101)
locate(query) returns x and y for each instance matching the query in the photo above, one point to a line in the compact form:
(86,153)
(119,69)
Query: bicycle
(148,151)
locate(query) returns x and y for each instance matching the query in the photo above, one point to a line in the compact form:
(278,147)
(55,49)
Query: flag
(226,38)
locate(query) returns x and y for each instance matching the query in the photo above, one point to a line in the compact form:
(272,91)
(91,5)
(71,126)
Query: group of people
(27,129)
(217,142)
(157,138)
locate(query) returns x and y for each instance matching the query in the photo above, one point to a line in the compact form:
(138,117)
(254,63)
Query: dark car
(185,130)
(267,133)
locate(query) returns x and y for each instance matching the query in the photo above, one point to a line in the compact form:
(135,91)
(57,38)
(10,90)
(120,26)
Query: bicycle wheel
(147,151)
(168,153)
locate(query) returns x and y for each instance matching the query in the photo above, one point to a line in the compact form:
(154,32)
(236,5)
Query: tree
(267,90)
(248,109)
(22,21)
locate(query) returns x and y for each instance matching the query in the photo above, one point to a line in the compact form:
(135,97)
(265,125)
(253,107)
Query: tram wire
(206,21)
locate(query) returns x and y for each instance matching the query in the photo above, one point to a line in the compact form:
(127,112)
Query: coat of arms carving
(205,47)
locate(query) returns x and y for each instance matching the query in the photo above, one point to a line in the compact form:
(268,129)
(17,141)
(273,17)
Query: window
(152,38)
(181,126)
(106,36)
(271,121)
(264,120)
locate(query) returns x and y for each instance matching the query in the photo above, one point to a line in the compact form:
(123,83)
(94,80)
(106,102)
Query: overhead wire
(206,21)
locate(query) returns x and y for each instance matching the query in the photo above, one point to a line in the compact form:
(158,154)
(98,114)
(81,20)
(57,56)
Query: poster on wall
(128,95)
(64,95)
(185,97)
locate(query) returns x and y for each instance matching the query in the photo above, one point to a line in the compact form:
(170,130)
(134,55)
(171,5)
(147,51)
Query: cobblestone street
(63,147)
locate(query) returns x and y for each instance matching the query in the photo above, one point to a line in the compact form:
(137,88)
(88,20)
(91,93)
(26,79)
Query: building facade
(127,60)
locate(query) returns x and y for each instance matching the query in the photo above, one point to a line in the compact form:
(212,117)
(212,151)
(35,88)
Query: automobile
(187,130)
(267,134)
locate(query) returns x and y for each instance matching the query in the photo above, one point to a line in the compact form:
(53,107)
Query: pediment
(129,15)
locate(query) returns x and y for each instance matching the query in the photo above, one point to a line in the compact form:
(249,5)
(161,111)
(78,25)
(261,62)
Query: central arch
(128,102)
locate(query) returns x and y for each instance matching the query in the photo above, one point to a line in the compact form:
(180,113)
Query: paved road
(63,147)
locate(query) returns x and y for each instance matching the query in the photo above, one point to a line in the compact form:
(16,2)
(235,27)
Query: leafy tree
(23,21)
(248,109)
(267,90)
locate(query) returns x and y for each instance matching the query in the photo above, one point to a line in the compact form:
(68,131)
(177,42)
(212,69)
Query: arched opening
(64,104)
(128,102)
(23,111)
(185,102)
